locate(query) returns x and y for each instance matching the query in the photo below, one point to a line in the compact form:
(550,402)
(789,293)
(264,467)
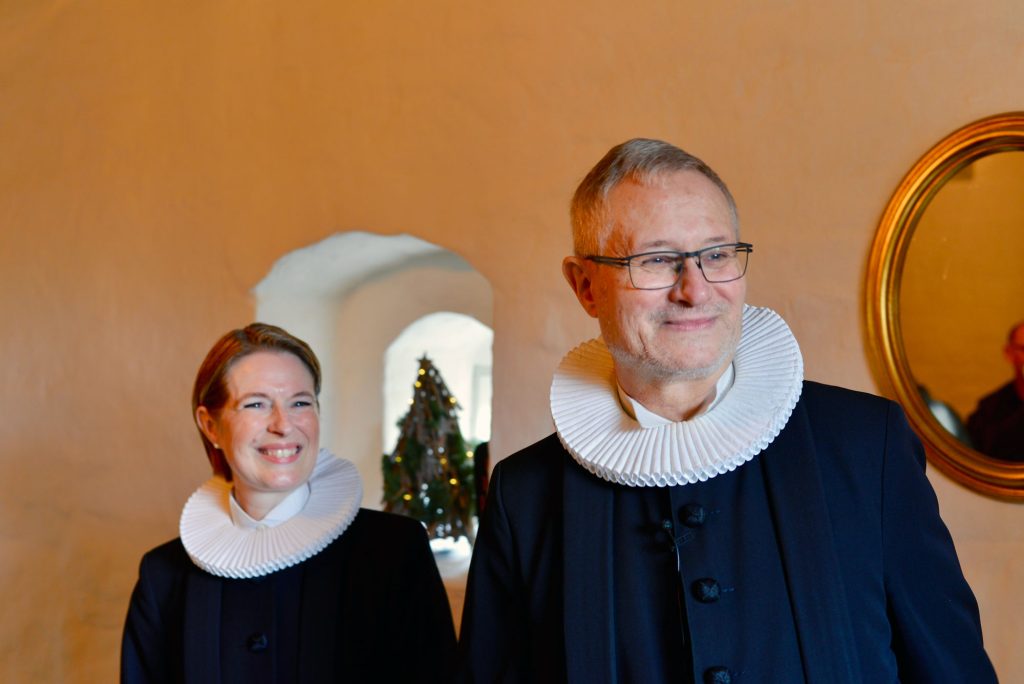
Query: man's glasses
(660,270)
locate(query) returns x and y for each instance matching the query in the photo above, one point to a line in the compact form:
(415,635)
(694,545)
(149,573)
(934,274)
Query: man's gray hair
(639,160)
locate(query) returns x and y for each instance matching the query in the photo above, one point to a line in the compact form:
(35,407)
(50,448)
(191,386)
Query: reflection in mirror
(996,427)
(947,416)
(944,284)
(962,291)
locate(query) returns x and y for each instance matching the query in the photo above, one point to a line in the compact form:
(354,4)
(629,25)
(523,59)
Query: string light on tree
(429,475)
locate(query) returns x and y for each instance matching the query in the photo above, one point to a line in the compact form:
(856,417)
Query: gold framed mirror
(962,278)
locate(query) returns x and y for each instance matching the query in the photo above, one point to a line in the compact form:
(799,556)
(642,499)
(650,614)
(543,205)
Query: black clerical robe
(368,608)
(822,560)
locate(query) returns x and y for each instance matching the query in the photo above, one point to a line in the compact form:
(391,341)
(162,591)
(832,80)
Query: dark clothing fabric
(997,426)
(823,560)
(672,565)
(481,468)
(259,644)
(369,608)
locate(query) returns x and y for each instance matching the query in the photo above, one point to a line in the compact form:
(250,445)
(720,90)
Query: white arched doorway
(351,296)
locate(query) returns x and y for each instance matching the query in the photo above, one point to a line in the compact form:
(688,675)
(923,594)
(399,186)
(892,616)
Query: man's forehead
(667,189)
(686,203)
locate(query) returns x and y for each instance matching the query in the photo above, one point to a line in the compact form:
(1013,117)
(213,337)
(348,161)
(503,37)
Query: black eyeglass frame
(625,261)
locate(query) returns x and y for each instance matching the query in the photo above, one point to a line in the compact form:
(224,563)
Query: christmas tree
(429,476)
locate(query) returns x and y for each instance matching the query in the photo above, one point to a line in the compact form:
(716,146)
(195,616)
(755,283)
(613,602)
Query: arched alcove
(350,296)
(460,348)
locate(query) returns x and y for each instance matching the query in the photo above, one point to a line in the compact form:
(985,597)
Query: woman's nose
(279,422)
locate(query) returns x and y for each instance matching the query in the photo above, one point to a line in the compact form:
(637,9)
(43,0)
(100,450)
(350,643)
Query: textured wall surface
(157,158)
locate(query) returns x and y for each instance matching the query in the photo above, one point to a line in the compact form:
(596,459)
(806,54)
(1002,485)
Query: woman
(278,575)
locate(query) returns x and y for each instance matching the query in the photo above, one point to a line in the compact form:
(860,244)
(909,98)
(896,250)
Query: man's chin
(693,372)
(691,364)
(680,369)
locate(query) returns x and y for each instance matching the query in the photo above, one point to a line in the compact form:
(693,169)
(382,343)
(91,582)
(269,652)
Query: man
(997,426)
(702,514)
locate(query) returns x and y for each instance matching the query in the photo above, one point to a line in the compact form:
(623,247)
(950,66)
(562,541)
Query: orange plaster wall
(156,159)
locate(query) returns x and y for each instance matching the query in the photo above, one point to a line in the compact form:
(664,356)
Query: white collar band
(284,511)
(221,548)
(602,438)
(648,418)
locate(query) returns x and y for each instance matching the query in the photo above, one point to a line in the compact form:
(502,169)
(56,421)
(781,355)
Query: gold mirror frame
(1001,133)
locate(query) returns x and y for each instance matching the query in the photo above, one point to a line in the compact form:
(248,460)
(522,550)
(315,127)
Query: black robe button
(257,643)
(706,590)
(693,515)
(717,675)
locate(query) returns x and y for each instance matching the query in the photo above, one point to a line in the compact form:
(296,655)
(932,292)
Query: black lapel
(202,628)
(806,544)
(588,577)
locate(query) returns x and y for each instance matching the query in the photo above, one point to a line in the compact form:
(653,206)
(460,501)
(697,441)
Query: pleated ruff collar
(218,546)
(603,439)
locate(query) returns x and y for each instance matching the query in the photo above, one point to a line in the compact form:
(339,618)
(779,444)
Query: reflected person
(702,513)
(997,424)
(278,575)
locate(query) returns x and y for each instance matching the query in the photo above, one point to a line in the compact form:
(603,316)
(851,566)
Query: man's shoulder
(817,396)
(843,421)
(538,453)
(1006,395)
(847,419)
(527,487)
(535,467)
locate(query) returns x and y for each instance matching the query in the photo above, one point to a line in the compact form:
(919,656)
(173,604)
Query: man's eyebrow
(671,246)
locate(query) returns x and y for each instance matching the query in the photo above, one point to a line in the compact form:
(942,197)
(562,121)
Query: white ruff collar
(220,548)
(593,427)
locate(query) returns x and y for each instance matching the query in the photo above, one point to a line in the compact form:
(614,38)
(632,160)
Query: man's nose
(691,287)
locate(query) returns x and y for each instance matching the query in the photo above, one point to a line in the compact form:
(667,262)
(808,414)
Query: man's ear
(577,274)
(1013,356)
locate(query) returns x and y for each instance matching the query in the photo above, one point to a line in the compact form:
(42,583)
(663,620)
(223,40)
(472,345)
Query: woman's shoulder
(380,523)
(164,572)
(385,537)
(169,557)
